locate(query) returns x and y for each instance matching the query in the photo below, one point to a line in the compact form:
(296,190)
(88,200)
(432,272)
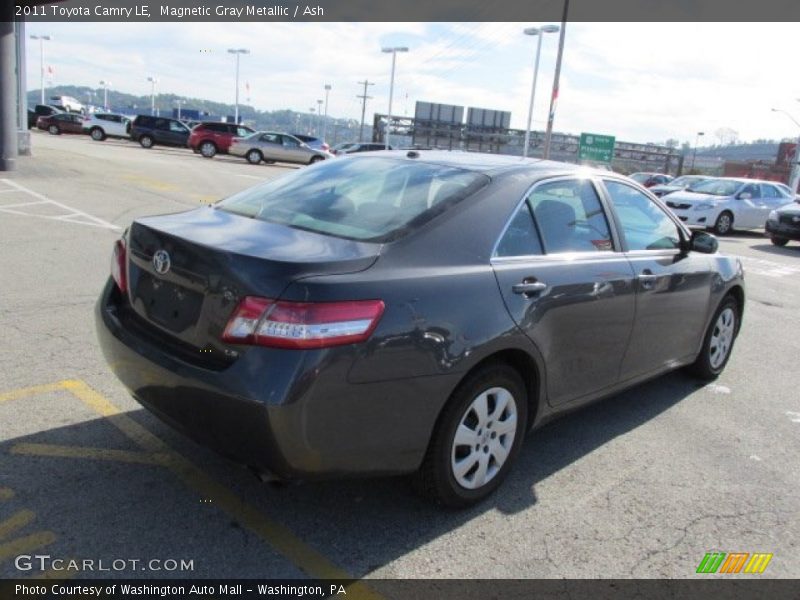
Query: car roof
(491,164)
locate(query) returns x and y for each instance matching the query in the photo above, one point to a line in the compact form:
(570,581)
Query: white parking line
(71,215)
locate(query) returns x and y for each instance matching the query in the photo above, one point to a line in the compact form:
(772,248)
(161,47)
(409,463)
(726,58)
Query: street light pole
(696,141)
(364,99)
(551,116)
(794,177)
(325,121)
(105,85)
(393,51)
(319,118)
(41,39)
(540,34)
(238,52)
(153,81)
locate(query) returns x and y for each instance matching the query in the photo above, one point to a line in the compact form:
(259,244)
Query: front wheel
(315,159)
(146,141)
(724,223)
(97,134)
(54,130)
(476,439)
(778,241)
(718,341)
(254,157)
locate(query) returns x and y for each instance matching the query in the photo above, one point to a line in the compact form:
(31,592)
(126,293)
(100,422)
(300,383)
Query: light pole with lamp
(325,121)
(153,81)
(238,52)
(180,102)
(794,178)
(696,141)
(319,118)
(41,39)
(537,31)
(393,51)
(105,85)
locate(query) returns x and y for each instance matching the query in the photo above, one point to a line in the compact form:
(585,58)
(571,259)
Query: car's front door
(748,207)
(567,287)
(178,133)
(293,151)
(673,287)
(270,146)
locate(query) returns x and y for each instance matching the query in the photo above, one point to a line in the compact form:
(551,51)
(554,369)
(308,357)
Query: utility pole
(554,97)
(364,99)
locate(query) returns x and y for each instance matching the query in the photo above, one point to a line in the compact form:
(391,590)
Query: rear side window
(520,237)
(645,224)
(375,199)
(570,217)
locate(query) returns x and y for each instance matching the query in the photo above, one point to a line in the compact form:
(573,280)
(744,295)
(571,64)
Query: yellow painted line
(26,544)
(53,450)
(276,535)
(6,493)
(155,184)
(31,391)
(16,521)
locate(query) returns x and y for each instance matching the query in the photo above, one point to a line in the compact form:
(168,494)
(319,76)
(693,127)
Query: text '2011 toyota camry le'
(415,312)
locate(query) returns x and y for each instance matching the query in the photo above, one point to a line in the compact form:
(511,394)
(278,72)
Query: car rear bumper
(784,230)
(289,414)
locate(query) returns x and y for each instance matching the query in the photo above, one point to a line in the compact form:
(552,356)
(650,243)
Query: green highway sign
(596,148)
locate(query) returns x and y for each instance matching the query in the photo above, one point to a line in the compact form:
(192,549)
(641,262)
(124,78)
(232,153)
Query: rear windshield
(371,199)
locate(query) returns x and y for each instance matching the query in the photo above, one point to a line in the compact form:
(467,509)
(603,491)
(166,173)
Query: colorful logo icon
(735,562)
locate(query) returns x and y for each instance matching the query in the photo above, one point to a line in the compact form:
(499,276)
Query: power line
(364,99)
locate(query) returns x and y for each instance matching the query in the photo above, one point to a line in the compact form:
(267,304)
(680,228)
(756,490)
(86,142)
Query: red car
(61,123)
(650,179)
(210,138)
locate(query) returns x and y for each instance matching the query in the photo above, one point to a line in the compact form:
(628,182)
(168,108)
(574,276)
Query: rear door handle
(529,287)
(647,279)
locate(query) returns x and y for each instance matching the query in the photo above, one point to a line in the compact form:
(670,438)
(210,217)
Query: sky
(641,82)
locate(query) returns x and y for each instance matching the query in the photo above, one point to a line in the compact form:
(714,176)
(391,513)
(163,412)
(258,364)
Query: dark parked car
(41,110)
(353,147)
(650,179)
(676,185)
(60,123)
(783,224)
(212,137)
(410,312)
(149,131)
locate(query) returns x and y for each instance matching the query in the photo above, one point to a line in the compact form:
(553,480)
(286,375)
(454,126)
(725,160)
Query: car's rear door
(567,285)
(673,286)
(73,124)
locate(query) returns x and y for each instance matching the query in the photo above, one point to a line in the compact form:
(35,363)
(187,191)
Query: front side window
(375,199)
(176,127)
(570,217)
(645,225)
(752,189)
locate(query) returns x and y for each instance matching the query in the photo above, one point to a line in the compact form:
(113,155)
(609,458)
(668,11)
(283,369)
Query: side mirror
(744,196)
(703,242)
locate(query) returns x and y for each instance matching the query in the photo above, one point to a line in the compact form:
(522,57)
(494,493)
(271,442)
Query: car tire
(778,241)
(315,159)
(97,134)
(254,157)
(718,341)
(724,223)
(208,149)
(457,474)
(146,141)
(54,130)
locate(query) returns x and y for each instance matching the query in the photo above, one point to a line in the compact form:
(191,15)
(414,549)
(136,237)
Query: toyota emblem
(161,262)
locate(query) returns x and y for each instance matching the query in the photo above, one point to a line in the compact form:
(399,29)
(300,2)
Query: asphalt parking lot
(641,485)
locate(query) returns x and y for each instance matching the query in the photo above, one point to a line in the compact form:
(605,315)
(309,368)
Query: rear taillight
(119,258)
(326,147)
(282,324)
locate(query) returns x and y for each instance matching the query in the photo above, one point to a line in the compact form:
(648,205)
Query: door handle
(647,279)
(529,287)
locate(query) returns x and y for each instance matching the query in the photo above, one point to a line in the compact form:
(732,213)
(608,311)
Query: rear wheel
(97,134)
(146,141)
(54,130)
(254,157)
(778,241)
(724,223)
(718,342)
(476,439)
(208,149)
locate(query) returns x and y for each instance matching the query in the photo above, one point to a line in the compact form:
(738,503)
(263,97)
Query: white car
(103,125)
(66,103)
(725,203)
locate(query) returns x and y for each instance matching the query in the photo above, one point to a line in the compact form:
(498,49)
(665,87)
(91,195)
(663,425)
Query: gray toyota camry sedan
(410,312)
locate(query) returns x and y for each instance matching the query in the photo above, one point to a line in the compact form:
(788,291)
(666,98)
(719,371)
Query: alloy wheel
(721,338)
